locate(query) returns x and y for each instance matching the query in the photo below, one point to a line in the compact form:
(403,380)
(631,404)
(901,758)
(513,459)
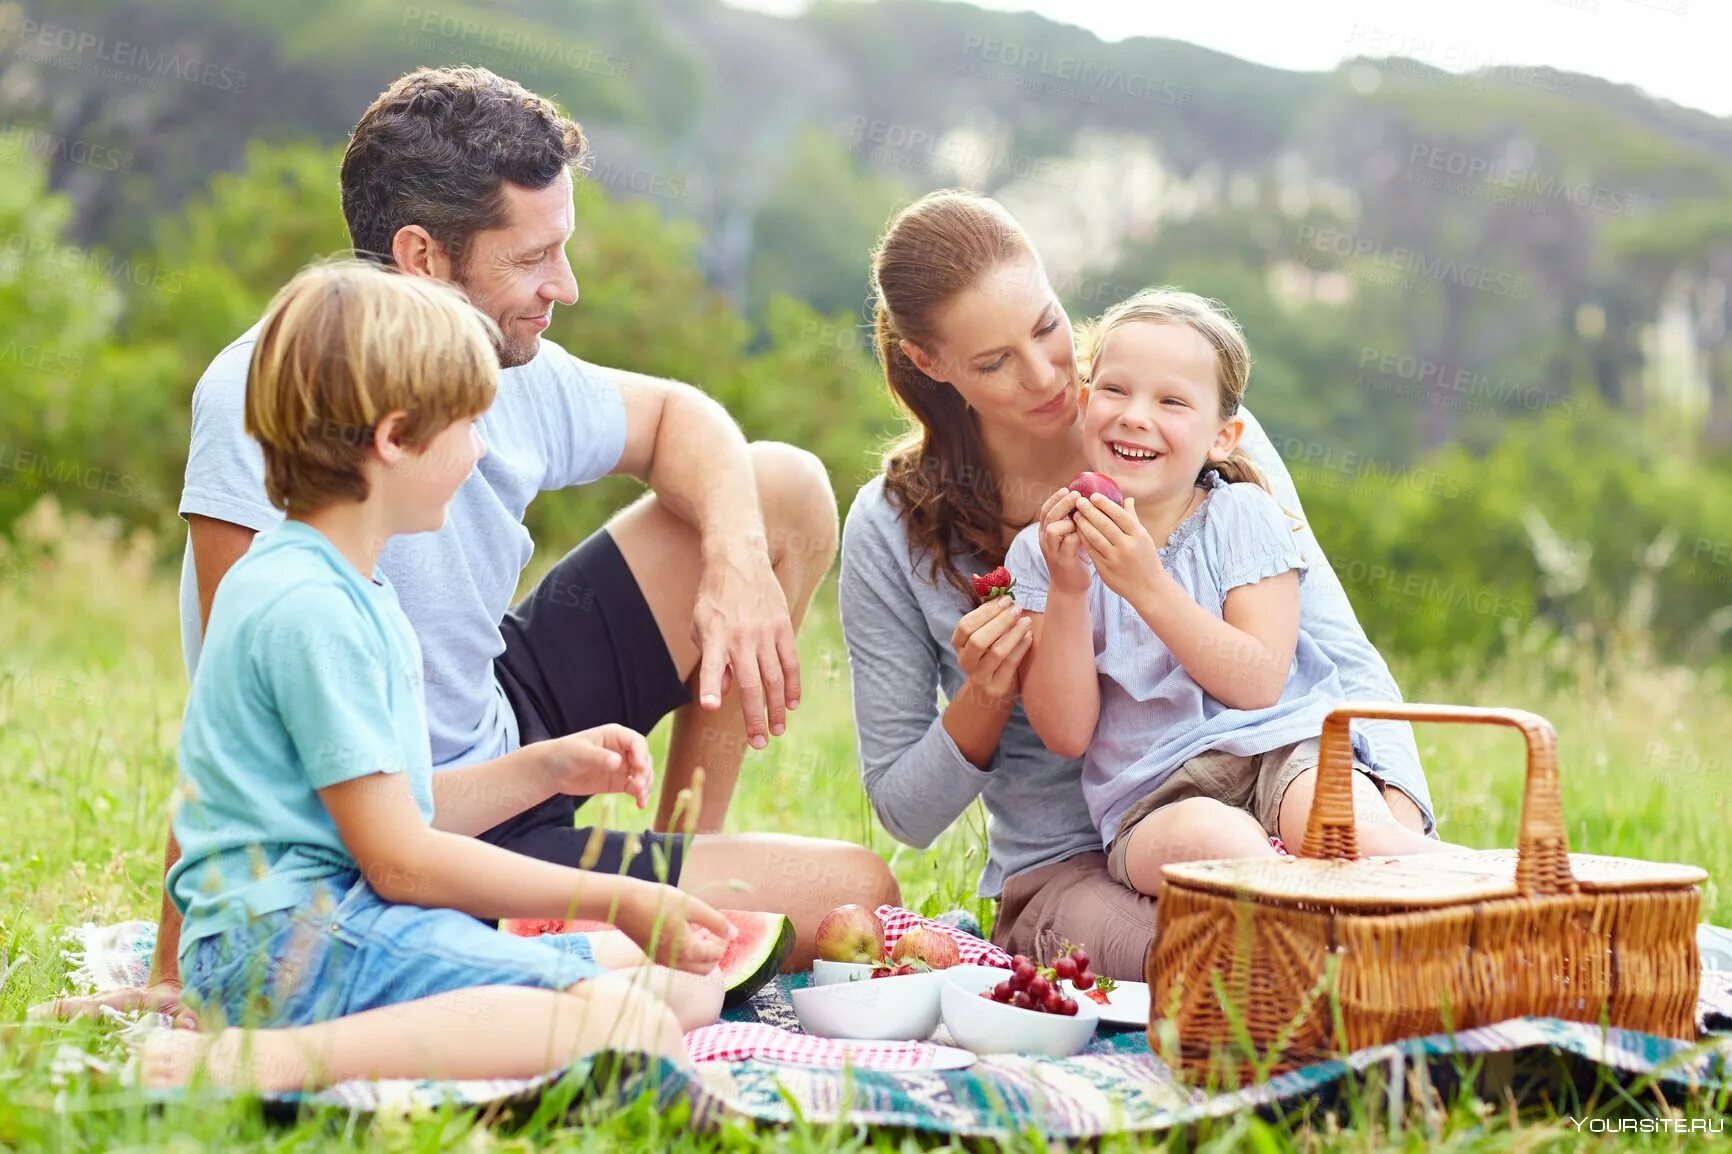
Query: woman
(977,349)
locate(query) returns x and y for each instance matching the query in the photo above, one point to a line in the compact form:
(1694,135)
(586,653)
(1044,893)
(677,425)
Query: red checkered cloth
(975,952)
(736,1041)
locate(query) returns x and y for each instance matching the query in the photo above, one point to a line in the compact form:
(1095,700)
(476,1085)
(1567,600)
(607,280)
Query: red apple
(851,933)
(1089,484)
(936,949)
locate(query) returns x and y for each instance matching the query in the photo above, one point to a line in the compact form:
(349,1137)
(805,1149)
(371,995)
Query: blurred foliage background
(1489,311)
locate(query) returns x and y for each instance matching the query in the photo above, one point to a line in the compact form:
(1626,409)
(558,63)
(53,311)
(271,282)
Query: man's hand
(674,928)
(163,997)
(1119,547)
(606,759)
(741,627)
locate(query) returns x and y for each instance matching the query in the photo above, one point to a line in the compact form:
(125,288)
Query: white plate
(1127,1005)
(942,1057)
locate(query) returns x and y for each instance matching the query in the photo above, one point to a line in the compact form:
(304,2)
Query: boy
(328,884)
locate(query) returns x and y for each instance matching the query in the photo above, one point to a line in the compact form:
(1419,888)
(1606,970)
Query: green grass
(91,689)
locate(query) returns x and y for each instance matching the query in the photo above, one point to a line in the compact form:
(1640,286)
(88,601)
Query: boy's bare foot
(262,1063)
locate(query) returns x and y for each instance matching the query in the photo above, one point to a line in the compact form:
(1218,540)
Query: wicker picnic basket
(1306,957)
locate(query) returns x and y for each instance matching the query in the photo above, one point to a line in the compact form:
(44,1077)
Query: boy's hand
(1122,551)
(606,759)
(674,928)
(1059,541)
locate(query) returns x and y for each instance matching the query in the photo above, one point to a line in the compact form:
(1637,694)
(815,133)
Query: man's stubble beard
(512,352)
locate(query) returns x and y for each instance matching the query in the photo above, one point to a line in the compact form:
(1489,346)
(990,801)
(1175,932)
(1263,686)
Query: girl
(1167,647)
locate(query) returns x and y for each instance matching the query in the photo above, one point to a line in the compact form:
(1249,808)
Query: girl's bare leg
(485,1032)
(1379,833)
(1195,829)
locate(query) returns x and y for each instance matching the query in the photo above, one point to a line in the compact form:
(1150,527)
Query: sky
(1674,49)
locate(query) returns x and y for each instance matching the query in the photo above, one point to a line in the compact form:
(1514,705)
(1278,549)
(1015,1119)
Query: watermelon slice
(762,942)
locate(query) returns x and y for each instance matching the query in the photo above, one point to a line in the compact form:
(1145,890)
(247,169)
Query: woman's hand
(1119,547)
(990,642)
(606,759)
(673,928)
(1059,543)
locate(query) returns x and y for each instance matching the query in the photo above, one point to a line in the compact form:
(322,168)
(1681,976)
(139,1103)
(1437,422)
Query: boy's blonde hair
(1210,320)
(343,345)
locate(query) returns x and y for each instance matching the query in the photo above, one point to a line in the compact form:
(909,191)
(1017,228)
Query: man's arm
(216,546)
(686,447)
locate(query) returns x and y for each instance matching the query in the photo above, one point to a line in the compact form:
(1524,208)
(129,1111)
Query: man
(461,175)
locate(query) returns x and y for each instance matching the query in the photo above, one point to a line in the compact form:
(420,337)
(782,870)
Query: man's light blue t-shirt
(311,676)
(556,422)
(1154,716)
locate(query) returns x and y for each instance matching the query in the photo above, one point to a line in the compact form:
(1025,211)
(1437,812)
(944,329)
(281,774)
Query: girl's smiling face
(1152,410)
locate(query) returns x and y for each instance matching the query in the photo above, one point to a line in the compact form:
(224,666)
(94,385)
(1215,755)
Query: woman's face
(1006,345)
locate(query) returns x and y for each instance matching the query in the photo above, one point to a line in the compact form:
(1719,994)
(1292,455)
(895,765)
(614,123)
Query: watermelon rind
(749,966)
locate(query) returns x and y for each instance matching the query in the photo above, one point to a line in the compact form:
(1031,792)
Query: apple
(936,949)
(1089,484)
(851,933)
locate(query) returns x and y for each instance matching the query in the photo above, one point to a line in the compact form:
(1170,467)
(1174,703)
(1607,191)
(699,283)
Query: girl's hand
(606,759)
(990,642)
(673,928)
(1059,543)
(1122,551)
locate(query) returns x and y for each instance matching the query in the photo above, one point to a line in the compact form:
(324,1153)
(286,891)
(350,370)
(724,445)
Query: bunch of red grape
(1032,987)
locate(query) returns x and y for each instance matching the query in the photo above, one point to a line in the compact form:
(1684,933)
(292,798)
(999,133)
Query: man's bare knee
(878,884)
(799,504)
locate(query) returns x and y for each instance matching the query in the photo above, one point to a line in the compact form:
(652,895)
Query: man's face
(516,273)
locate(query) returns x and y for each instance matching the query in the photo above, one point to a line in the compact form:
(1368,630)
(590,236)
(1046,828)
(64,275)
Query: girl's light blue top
(1154,716)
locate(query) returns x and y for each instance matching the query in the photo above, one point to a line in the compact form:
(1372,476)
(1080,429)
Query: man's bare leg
(662,552)
(803,877)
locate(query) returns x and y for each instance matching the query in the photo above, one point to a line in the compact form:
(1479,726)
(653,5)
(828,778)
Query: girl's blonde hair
(343,345)
(1210,320)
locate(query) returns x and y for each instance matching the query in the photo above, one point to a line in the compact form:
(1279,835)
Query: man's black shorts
(581,650)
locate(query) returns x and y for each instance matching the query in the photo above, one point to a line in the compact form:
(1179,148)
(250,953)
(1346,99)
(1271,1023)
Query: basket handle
(1543,863)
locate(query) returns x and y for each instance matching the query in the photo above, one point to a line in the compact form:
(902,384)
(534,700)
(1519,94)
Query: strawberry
(994,584)
(1100,990)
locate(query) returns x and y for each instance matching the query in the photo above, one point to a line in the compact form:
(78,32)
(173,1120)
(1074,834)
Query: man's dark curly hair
(435,150)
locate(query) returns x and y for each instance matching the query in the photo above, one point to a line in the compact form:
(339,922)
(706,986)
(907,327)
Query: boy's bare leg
(1194,829)
(1379,833)
(695,999)
(486,1032)
(663,553)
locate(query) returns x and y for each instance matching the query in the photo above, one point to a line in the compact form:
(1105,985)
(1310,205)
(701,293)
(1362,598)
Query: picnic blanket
(1114,1086)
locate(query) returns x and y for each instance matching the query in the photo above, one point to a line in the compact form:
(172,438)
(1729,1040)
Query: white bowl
(829,973)
(989,1027)
(899,1009)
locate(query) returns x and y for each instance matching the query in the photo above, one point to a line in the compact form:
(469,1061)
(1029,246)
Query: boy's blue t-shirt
(556,422)
(310,676)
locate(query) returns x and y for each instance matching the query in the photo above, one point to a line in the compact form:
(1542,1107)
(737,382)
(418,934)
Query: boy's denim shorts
(349,950)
